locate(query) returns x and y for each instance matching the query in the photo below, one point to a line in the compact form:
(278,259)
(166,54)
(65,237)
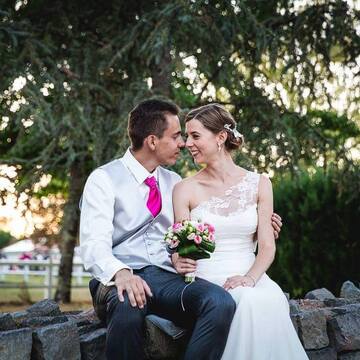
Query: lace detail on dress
(236,199)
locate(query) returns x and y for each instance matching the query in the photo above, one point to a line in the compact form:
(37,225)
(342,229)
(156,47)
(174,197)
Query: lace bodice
(234,216)
(236,199)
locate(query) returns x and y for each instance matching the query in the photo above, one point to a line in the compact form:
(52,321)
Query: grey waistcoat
(138,236)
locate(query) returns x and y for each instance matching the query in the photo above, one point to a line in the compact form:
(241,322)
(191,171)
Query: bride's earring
(219,147)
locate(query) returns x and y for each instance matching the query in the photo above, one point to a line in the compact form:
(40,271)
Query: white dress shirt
(96,219)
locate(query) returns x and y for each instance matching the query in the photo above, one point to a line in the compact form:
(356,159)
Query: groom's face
(169,145)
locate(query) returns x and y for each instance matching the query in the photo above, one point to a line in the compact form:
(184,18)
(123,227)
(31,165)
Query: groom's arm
(96,229)
(276,223)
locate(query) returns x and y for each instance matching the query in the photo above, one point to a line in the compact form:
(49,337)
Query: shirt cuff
(108,280)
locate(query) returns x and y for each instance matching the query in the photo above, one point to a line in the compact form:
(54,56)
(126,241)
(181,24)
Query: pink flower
(174,243)
(211,237)
(197,239)
(210,228)
(176,227)
(200,227)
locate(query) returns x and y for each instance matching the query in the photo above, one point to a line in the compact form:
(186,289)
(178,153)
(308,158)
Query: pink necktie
(154,199)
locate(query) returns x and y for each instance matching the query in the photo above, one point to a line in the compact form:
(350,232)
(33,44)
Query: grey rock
(44,307)
(328,313)
(340,302)
(344,331)
(36,322)
(352,308)
(83,329)
(80,321)
(7,322)
(354,355)
(328,328)
(20,316)
(72,312)
(159,345)
(319,294)
(84,323)
(167,326)
(322,354)
(86,317)
(287,295)
(312,329)
(294,307)
(56,342)
(15,344)
(92,345)
(310,304)
(349,291)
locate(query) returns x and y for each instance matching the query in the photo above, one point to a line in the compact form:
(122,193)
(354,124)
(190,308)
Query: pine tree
(86,64)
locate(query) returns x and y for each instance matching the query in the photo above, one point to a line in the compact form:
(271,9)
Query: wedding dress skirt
(261,328)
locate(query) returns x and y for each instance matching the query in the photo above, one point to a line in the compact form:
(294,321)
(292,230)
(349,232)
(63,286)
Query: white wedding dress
(261,327)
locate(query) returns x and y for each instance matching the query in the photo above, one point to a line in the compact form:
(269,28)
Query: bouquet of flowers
(191,239)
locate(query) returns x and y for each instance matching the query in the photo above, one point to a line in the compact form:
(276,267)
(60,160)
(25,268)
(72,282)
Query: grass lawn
(21,297)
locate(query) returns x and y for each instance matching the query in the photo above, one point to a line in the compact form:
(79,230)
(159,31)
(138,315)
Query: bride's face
(201,142)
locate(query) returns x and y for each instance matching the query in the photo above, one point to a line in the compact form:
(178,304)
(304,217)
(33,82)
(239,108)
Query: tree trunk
(69,234)
(161,75)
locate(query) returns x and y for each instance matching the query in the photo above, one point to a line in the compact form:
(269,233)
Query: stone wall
(328,327)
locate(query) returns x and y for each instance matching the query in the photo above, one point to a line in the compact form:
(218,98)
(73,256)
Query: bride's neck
(221,169)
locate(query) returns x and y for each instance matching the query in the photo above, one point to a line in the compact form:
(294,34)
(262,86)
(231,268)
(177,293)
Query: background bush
(319,244)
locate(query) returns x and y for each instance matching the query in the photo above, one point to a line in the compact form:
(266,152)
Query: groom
(125,212)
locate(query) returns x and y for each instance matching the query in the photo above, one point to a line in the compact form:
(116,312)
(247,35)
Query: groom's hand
(183,265)
(134,285)
(276,223)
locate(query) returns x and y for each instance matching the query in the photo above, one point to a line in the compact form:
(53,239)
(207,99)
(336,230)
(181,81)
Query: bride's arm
(265,233)
(181,204)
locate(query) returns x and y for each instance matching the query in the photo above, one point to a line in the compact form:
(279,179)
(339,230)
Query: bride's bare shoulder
(262,177)
(187,185)
(264,182)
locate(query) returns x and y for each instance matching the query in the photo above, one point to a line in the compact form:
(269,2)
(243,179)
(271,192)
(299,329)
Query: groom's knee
(221,305)
(225,305)
(122,315)
(125,330)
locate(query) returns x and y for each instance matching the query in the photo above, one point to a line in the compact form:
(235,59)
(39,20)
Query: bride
(239,203)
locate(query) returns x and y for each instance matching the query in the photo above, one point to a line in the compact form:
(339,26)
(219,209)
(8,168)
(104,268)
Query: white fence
(48,269)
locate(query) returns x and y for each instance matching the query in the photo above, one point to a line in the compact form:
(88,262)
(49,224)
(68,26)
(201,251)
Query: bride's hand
(183,265)
(238,280)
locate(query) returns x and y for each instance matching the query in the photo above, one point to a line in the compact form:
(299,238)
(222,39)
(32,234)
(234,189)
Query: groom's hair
(148,118)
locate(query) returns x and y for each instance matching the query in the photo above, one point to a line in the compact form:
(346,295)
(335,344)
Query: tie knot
(150,181)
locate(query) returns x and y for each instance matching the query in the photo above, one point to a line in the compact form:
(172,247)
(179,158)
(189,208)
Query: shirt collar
(138,170)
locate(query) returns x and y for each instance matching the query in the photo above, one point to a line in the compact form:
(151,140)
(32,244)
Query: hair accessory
(234,131)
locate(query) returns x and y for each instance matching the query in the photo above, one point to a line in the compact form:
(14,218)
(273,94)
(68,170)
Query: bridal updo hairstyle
(214,117)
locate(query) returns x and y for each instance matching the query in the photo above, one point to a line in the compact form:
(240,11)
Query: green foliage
(318,246)
(86,65)
(95,61)
(5,239)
